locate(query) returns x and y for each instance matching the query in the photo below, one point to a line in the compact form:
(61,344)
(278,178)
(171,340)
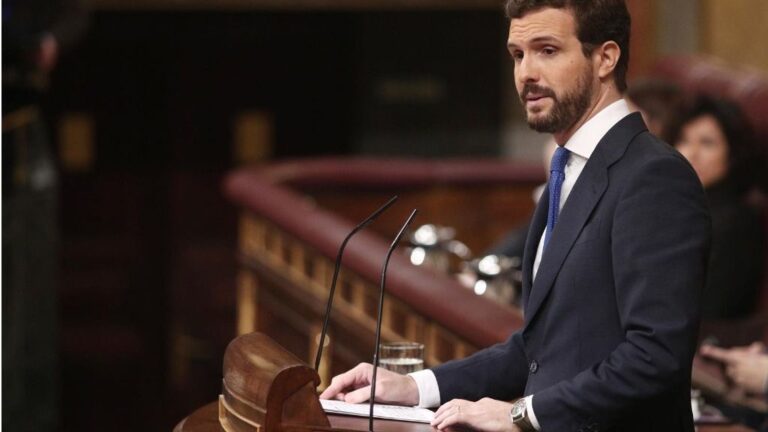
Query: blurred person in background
(715,138)
(659,102)
(35,32)
(746,368)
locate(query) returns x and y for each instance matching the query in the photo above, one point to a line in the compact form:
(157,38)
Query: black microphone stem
(329,305)
(381,308)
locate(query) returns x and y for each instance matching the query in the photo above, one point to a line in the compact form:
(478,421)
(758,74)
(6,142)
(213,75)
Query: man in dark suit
(613,265)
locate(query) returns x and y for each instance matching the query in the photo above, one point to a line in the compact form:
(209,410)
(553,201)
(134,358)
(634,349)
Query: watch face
(518,410)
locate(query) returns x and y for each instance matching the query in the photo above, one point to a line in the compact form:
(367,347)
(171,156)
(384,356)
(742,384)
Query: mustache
(538,90)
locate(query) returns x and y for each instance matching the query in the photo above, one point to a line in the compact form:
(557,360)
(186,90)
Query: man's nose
(527,70)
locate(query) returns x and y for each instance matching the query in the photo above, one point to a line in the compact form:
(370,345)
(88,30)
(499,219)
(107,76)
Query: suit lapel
(538,223)
(585,195)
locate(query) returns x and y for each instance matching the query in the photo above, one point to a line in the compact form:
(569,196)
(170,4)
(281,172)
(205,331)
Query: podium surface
(267,389)
(205,419)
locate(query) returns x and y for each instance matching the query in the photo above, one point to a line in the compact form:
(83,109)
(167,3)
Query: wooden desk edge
(206,419)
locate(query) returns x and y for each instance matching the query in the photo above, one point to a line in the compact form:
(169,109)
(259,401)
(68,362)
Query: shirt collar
(584,141)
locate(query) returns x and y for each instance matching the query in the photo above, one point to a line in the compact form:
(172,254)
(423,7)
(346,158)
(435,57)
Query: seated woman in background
(714,136)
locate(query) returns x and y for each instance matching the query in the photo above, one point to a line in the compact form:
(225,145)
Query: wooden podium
(268,389)
(286,263)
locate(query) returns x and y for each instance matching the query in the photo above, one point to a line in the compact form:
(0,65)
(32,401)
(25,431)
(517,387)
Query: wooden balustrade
(288,241)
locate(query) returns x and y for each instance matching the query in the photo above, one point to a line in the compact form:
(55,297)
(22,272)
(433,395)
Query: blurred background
(122,117)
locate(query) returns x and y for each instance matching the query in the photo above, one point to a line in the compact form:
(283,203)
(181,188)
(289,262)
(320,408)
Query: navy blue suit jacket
(612,316)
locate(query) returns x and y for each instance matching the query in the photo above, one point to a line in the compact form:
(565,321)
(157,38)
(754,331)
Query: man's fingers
(358,396)
(445,409)
(440,415)
(338,384)
(348,380)
(328,393)
(450,420)
(448,414)
(354,386)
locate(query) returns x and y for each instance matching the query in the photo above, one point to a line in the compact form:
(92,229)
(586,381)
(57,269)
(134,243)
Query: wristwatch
(519,416)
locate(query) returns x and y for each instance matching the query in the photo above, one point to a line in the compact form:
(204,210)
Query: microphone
(329,305)
(381,307)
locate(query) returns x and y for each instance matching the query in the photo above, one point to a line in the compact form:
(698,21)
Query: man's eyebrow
(536,40)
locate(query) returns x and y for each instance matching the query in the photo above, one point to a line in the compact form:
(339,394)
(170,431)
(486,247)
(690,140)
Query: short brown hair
(597,22)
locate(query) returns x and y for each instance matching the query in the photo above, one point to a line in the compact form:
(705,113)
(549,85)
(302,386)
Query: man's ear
(607,55)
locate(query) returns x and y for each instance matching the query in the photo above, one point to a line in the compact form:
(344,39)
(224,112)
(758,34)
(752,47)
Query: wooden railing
(289,237)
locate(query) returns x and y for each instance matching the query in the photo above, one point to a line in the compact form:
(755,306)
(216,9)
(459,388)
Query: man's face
(554,79)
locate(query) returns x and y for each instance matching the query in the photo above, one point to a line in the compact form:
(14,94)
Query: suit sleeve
(660,240)
(479,375)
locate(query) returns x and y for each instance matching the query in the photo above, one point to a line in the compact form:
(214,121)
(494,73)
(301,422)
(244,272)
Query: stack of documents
(388,412)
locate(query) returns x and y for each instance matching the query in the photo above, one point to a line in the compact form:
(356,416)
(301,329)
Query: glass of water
(402,357)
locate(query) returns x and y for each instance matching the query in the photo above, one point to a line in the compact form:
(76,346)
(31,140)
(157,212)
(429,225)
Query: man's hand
(354,386)
(487,415)
(746,366)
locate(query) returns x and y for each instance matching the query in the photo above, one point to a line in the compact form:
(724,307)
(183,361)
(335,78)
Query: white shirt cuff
(530,414)
(429,392)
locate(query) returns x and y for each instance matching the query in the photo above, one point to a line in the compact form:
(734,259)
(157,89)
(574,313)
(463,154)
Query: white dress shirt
(581,145)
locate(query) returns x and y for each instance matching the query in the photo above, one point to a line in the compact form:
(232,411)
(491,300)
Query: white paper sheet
(388,412)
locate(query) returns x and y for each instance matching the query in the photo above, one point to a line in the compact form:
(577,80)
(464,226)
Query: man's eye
(517,55)
(548,51)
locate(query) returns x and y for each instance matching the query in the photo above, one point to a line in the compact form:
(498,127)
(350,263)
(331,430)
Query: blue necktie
(556,178)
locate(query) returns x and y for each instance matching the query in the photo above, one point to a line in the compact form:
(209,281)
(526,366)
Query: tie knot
(559,159)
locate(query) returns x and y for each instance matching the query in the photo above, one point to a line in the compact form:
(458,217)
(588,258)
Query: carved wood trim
(353,309)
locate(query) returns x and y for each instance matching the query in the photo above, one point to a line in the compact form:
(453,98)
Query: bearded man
(614,261)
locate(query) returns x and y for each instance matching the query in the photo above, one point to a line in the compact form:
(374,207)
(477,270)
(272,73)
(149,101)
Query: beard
(565,111)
